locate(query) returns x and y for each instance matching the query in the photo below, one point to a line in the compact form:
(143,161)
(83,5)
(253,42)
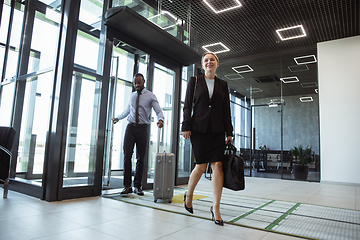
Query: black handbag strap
(193,102)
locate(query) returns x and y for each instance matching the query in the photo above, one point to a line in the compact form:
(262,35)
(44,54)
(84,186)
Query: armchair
(7,135)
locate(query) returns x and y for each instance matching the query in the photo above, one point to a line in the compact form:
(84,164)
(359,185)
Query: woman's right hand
(186,134)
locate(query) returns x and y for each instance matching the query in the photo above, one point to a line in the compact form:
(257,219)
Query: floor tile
(24,217)
(80,234)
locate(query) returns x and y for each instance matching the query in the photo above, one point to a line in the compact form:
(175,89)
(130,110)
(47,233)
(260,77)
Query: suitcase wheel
(169,201)
(155,200)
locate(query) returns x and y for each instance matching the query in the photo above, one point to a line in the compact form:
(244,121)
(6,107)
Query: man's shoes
(126,190)
(138,191)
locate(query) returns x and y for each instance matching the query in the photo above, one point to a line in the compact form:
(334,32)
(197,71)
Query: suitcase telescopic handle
(158,140)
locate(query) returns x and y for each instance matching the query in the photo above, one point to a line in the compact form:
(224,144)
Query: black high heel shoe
(217,222)
(189,209)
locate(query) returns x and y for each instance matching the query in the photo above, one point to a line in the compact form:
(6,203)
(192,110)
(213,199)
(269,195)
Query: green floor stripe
(287,218)
(282,217)
(252,211)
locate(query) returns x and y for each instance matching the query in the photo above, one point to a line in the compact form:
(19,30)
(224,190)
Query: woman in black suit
(206,127)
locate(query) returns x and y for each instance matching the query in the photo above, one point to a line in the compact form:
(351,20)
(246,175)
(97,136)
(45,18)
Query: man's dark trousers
(135,134)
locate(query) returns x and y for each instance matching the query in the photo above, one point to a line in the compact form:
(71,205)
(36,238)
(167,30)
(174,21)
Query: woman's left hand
(229,138)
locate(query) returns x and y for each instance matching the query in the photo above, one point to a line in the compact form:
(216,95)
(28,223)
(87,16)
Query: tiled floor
(23,217)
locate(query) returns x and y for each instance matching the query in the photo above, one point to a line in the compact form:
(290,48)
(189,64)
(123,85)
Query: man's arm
(160,115)
(123,115)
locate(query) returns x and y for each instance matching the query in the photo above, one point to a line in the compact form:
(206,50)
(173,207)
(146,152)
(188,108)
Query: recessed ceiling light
(216,48)
(305,59)
(254,90)
(291,32)
(308,85)
(273,105)
(306,99)
(234,76)
(317,90)
(298,68)
(214,8)
(289,79)
(243,69)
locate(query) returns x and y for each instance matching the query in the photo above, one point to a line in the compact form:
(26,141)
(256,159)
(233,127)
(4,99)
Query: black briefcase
(233,166)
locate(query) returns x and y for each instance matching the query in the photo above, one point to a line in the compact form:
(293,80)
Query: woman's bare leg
(193,181)
(217,183)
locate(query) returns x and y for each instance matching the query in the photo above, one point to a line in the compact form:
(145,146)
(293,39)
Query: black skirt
(208,147)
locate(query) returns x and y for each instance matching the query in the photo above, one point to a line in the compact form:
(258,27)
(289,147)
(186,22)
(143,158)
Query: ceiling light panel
(305,59)
(254,90)
(291,32)
(243,69)
(222,6)
(289,79)
(298,68)
(306,99)
(273,105)
(232,24)
(277,101)
(234,76)
(216,48)
(309,85)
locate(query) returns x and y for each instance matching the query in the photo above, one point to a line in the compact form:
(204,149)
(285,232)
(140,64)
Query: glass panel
(34,128)
(82,131)
(123,92)
(184,165)
(143,66)
(270,97)
(44,40)
(301,118)
(47,2)
(267,126)
(87,46)
(5,15)
(14,42)
(6,103)
(163,90)
(122,69)
(87,50)
(126,66)
(91,13)
(239,114)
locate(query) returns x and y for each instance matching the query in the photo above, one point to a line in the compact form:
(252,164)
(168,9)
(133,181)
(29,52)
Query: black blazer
(216,109)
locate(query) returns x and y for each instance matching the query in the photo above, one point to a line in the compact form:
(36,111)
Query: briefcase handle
(230,148)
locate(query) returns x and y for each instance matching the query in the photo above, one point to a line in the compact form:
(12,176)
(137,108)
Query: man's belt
(138,125)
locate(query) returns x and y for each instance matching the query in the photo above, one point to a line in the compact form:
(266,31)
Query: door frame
(176,112)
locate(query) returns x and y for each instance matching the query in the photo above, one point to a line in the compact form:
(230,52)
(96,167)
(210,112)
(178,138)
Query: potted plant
(303,157)
(263,147)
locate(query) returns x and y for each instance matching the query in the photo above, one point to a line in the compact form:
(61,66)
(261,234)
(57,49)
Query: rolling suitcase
(164,175)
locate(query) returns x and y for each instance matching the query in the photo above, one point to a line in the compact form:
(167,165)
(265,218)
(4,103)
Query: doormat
(290,218)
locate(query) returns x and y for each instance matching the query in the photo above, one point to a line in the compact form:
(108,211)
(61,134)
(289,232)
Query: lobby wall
(339,106)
